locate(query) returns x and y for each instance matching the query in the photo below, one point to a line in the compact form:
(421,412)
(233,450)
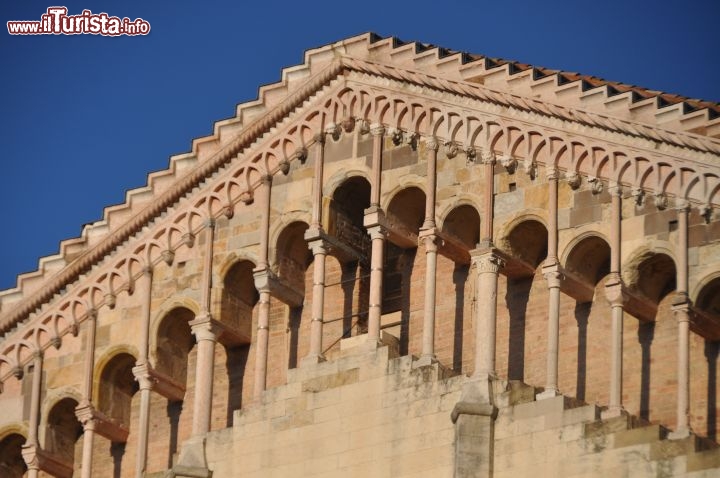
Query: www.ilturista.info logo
(57,22)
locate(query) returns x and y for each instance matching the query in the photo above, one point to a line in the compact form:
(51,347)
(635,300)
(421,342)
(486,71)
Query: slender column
(316,220)
(206,336)
(373,222)
(486,227)
(141,372)
(432,149)
(314,236)
(318,301)
(88,424)
(377,235)
(428,235)
(262,284)
(84,411)
(681,310)
(488,267)
(377,131)
(616,297)
(31,447)
(553,276)
(428,341)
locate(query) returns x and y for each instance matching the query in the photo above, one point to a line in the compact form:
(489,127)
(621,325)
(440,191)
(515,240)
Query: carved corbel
(639,195)
(596,185)
(348,124)
(451,149)
(364,127)
(530,168)
(573,179)
(333,131)
(188,239)
(247,197)
(168,256)
(470,154)
(508,162)
(487,156)
(397,136)
(110,300)
(661,201)
(706,212)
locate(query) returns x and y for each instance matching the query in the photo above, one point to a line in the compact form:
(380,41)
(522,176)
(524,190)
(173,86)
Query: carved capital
(377,232)
(487,156)
(377,129)
(488,263)
(204,328)
(615,189)
(318,246)
(552,173)
(300,154)
(266,180)
(682,205)
(144,376)
(615,291)
(552,275)
(431,143)
(430,239)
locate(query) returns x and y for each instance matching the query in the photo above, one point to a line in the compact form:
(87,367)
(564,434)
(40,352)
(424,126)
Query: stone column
(616,297)
(488,266)
(377,131)
(314,237)
(551,272)
(31,447)
(85,410)
(377,235)
(681,310)
(142,375)
(262,284)
(206,336)
(428,236)
(318,302)
(374,219)
(430,239)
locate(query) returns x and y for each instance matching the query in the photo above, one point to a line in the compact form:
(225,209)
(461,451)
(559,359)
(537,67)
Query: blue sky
(84,118)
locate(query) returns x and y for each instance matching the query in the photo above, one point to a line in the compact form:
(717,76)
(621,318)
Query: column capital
(318,246)
(430,239)
(144,377)
(432,143)
(487,261)
(85,413)
(377,129)
(266,180)
(552,173)
(682,205)
(487,156)
(553,275)
(203,327)
(615,292)
(615,188)
(377,231)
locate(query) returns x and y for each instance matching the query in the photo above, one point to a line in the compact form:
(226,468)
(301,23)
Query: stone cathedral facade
(399,261)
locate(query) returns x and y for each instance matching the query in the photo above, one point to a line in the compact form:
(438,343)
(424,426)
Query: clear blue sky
(85,118)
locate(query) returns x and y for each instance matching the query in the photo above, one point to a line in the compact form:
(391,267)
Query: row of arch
(587,259)
(348,105)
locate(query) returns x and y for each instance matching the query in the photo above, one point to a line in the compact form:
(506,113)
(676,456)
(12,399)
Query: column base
(613,412)
(192,462)
(548,393)
(311,360)
(424,361)
(680,433)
